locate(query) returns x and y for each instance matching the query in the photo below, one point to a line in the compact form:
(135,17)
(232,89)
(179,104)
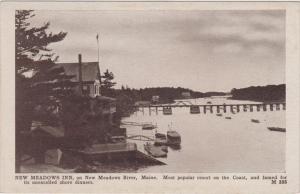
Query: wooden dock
(109,148)
(218,108)
(114,152)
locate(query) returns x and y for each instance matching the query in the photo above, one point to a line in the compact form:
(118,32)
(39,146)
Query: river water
(214,144)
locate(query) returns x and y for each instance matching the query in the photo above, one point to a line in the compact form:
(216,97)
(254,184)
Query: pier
(211,108)
(114,152)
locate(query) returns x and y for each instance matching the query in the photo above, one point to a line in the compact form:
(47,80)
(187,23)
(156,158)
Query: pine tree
(107,83)
(39,82)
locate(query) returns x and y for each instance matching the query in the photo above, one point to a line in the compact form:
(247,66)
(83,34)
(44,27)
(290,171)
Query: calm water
(215,144)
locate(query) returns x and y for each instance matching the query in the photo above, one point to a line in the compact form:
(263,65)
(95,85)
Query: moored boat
(173,138)
(227,117)
(155,151)
(279,129)
(148,126)
(160,139)
(160,135)
(255,120)
(219,114)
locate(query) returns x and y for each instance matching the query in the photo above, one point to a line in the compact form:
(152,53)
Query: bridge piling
(277,106)
(231,109)
(211,109)
(218,109)
(257,108)
(245,108)
(283,106)
(264,107)
(271,107)
(251,108)
(237,108)
(224,108)
(204,109)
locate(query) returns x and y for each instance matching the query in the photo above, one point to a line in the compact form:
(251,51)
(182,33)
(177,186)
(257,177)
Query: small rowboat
(160,139)
(155,151)
(173,138)
(279,129)
(148,126)
(254,120)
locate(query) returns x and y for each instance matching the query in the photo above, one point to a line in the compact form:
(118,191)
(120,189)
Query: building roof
(89,70)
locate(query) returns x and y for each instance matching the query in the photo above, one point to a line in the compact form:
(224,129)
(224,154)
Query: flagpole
(97,37)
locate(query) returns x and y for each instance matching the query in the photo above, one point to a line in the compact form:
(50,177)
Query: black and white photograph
(150,91)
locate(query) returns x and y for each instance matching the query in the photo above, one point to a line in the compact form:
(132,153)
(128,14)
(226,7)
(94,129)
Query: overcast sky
(200,50)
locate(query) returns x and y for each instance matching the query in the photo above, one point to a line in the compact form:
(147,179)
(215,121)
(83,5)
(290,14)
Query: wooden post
(245,108)
(218,109)
(264,107)
(211,108)
(204,109)
(258,108)
(80,74)
(271,107)
(237,108)
(149,110)
(277,106)
(251,108)
(156,110)
(231,108)
(224,108)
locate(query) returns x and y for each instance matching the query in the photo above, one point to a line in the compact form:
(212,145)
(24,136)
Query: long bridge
(211,108)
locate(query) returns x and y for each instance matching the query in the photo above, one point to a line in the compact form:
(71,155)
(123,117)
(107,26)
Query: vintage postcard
(150,97)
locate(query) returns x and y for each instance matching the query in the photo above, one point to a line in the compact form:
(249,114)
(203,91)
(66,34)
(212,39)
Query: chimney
(80,74)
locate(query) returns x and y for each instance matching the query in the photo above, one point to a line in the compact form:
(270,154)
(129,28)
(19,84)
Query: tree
(107,79)
(39,82)
(107,83)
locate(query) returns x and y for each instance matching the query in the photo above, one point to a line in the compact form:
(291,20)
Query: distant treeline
(260,93)
(166,94)
(126,97)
